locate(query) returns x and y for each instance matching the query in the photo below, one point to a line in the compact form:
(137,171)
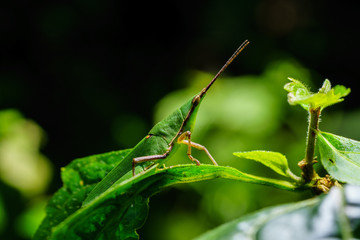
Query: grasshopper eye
(196,100)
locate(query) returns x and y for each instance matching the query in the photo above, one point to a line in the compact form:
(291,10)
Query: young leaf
(326,87)
(274,160)
(299,94)
(340,156)
(324,217)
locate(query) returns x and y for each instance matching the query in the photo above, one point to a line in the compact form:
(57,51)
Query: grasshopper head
(196,100)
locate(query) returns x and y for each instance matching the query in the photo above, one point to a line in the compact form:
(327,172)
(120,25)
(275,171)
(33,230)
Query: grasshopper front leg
(182,139)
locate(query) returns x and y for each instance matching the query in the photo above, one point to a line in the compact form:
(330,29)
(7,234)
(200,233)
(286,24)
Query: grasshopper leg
(149,158)
(182,139)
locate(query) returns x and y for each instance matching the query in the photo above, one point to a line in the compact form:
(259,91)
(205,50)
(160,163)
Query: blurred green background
(93,76)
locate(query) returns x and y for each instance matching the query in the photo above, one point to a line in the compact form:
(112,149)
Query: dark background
(74,67)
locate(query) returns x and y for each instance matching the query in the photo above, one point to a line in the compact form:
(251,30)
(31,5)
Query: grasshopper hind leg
(138,160)
(182,139)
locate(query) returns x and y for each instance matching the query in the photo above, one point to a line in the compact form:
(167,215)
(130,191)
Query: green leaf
(340,156)
(274,160)
(122,209)
(341,90)
(79,178)
(324,217)
(300,94)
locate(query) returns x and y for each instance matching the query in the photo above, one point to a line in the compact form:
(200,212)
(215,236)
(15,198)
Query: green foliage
(25,174)
(240,113)
(118,212)
(300,94)
(274,160)
(22,166)
(323,217)
(122,209)
(340,156)
(79,178)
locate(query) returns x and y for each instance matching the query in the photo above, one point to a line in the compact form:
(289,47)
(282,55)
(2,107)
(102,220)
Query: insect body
(163,139)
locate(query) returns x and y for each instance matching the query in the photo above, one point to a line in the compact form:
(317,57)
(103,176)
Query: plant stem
(307,166)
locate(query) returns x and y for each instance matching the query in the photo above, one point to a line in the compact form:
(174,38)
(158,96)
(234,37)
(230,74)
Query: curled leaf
(297,92)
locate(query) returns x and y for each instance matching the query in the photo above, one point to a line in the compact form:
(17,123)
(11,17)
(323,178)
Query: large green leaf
(333,216)
(340,157)
(118,212)
(79,178)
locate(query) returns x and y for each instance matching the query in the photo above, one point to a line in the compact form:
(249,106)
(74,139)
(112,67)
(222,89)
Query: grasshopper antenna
(242,46)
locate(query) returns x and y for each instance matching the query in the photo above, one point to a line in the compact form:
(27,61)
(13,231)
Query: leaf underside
(323,217)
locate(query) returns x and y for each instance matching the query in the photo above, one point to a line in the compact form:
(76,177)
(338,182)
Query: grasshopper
(163,139)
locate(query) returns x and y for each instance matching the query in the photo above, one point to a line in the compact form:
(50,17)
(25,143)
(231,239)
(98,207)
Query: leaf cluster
(326,96)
